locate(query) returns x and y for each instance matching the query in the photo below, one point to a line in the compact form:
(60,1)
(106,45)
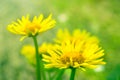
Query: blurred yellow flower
(45,47)
(26,27)
(64,35)
(79,50)
(29,51)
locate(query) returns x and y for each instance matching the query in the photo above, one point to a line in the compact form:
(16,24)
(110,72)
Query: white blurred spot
(99,68)
(62,17)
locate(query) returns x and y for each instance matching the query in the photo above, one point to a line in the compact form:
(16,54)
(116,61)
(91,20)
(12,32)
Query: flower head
(29,51)
(78,50)
(64,35)
(26,27)
(45,47)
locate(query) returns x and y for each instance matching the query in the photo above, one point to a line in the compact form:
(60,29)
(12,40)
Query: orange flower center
(31,28)
(72,58)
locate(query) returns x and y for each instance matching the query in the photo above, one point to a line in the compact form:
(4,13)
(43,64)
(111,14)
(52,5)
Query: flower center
(32,28)
(72,58)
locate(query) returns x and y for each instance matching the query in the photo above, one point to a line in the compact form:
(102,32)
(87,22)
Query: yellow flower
(45,47)
(81,35)
(79,50)
(29,52)
(26,27)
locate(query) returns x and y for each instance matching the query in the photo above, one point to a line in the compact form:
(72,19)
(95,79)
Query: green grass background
(100,17)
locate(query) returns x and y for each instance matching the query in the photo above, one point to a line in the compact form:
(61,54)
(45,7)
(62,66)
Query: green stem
(60,74)
(43,71)
(37,59)
(72,73)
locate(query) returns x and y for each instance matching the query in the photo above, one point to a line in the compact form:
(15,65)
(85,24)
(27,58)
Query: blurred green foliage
(100,17)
